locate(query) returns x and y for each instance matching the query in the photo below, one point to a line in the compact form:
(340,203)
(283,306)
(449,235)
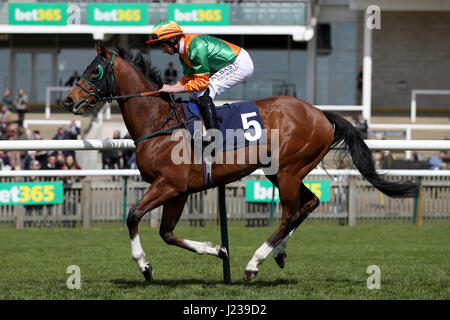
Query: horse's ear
(102,50)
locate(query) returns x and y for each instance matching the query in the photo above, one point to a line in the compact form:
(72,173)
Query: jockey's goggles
(155,38)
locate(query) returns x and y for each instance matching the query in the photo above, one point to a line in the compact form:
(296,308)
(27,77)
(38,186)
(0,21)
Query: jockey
(210,65)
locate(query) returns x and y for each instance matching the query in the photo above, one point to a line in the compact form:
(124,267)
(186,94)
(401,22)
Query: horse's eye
(97,74)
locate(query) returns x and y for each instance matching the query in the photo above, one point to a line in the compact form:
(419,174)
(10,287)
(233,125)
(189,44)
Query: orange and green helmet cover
(165,29)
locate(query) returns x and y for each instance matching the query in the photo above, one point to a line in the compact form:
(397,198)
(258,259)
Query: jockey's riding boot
(209,115)
(208,111)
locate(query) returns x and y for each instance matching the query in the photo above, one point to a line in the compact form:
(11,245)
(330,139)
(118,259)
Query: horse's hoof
(250,275)
(222,253)
(281,259)
(148,272)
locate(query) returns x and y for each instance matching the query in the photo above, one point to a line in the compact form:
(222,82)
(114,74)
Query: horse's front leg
(159,192)
(172,211)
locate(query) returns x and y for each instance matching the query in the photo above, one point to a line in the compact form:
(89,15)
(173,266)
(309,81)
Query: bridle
(104,81)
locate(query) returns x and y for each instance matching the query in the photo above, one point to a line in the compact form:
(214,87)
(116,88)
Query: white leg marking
(202,247)
(259,257)
(138,253)
(279,249)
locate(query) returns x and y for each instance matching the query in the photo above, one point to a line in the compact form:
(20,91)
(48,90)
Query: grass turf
(325,261)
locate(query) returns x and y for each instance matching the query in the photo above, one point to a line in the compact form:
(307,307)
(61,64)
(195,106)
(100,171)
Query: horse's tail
(353,144)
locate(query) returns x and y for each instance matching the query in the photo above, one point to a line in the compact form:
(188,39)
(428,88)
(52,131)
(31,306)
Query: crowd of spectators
(119,159)
(37,160)
(384,159)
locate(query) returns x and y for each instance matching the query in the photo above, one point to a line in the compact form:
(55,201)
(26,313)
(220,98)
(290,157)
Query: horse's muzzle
(67,102)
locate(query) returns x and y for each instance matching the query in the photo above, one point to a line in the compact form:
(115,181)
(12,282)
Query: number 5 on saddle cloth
(240,124)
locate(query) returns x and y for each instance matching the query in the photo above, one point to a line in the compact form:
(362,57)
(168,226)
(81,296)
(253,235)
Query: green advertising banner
(261,190)
(48,14)
(199,14)
(117,14)
(31,193)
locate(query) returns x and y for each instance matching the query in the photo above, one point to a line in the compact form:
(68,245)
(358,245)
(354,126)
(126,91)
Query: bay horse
(306,136)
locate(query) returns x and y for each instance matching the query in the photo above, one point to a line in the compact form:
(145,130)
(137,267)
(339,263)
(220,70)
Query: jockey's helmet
(164,31)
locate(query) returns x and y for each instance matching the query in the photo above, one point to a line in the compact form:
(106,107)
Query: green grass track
(325,261)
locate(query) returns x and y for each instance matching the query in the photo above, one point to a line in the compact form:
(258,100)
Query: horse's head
(96,84)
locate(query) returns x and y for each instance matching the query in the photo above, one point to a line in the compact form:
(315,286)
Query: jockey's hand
(172,88)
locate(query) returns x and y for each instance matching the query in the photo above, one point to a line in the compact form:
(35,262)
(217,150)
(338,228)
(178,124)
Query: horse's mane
(142,63)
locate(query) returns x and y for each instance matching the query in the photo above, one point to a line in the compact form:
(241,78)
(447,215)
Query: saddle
(240,125)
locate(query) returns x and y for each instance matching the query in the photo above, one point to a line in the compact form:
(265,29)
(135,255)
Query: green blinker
(100,73)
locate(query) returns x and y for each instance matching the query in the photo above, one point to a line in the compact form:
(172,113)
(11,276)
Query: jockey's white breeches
(228,77)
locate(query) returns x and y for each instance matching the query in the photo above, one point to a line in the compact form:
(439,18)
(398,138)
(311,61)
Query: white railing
(416,92)
(128,144)
(340,108)
(136,173)
(26,123)
(408,128)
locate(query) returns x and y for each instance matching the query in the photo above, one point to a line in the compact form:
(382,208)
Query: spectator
(416,156)
(24,134)
(5,164)
(14,156)
(71,164)
(40,156)
(170,75)
(73,80)
(6,118)
(60,159)
(61,134)
(10,130)
(126,154)
(50,163)
(436,162)
(21,105)
(376,156)
(359,86)
(73,131)
(34,165)
(361,125)
(30,209)
(387,160)
(111,158)
(131,163)
(8,99)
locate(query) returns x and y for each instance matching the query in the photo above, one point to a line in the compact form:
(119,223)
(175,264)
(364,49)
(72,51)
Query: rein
(134,95)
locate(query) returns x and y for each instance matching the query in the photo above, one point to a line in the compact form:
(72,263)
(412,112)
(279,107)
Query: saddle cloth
(240,122)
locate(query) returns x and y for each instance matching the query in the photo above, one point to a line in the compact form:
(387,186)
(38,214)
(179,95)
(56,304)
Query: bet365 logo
(199,14)
(38,15)
(117,15)
(108,14)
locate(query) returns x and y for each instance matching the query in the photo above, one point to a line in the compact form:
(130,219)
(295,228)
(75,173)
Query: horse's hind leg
(290,188)
(308,202)
(171,214)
